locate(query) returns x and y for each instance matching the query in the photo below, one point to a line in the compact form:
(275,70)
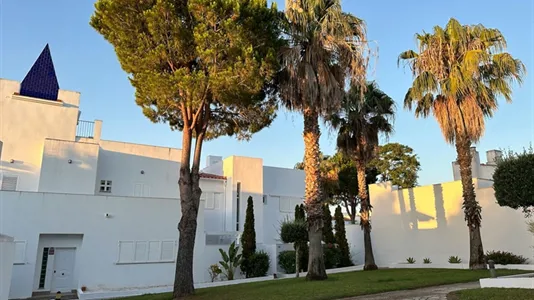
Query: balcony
(85,129)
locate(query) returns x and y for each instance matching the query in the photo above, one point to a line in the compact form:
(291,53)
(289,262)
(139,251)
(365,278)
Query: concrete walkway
(430,293)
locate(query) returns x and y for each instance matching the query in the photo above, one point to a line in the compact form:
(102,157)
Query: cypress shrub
(248,239)
(341,239)
(328,234)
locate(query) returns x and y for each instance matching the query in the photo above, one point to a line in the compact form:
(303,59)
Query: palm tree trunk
(365,223)
(297,260)
(316,268)
(471,207)
(189,202)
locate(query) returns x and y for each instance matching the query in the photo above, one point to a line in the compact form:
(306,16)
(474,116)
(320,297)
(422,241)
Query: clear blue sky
(85,62)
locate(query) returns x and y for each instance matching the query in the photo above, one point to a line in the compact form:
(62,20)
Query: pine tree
(341,239)
(248,238)
(328,234)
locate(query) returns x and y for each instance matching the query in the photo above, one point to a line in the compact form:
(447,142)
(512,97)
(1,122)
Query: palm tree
(458,73)
(365,115)
(325,48)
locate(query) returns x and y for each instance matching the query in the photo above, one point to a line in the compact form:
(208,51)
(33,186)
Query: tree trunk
(470,205)
(189,202)
(365,222)
(297,260)
(316,268)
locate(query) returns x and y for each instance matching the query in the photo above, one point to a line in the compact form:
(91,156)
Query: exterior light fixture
(142,172)
(70,161)
(11,161)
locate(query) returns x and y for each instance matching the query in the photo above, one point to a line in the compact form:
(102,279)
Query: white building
(87,212)
(479,170)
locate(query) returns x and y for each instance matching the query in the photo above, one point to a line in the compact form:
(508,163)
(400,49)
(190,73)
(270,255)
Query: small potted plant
(83,288)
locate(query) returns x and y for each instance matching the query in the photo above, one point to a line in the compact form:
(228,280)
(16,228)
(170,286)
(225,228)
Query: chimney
(97,133)
(492,156)
(213,160)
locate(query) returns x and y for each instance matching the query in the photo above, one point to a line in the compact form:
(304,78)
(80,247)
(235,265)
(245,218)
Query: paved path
(431,293)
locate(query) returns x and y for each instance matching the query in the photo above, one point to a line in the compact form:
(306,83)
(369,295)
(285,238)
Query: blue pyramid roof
(41,81)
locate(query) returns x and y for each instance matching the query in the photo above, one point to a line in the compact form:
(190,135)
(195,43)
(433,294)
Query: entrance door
(63,270)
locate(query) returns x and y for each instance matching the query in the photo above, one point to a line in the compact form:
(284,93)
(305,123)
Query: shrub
(231,261)
(214,271)
(286,260)
(332,256)
(455,260)
(295,232)
(300,214)
(505,258)
(410,260)
(328,234)
(427,261)
(512,180)
(258,264)
(341,239)
(248,238)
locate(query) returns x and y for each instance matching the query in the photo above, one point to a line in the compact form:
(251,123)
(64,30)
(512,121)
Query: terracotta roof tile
(212,176)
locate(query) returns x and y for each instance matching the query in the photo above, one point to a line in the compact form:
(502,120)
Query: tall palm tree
(459,72)
(365,114)
(325,48)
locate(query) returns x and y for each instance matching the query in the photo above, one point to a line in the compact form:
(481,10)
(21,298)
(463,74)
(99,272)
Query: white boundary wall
(38,220)
(7,256)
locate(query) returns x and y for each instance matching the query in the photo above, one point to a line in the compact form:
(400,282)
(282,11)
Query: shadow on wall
(430,217)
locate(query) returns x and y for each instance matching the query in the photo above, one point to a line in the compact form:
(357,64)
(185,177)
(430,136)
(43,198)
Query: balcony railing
(85,129)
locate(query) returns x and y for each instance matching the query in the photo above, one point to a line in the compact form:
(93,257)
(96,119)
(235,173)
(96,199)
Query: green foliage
(505,258)
(286,260)
(293,231)
(230,261)
(258,264)
(214,271)
(513,181)
(197,62)
(302,246)
(455,260)
(397,163)
(248,238)
(410,260)
(427,261)
(341,240)
(332,256)
(328,234)
(300,213)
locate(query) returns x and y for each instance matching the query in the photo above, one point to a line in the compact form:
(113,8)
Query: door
(62,276)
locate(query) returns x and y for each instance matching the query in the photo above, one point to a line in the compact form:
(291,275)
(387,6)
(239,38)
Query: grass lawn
(492,294)
(337,286)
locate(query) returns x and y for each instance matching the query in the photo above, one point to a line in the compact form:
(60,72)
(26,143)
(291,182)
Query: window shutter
(9,183)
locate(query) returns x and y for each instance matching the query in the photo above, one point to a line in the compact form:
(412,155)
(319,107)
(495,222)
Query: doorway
(63,274)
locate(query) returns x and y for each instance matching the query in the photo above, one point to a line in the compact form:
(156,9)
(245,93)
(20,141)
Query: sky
(86,63)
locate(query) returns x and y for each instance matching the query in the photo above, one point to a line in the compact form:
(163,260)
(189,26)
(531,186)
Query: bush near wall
(259,263)
(505,258)
(331,253)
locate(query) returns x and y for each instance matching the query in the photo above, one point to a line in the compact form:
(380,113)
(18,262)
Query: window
(20,253)
(287,204)
(131,252)
(105,186)
(238,207)
(8,183)
(220,239)
(141,190)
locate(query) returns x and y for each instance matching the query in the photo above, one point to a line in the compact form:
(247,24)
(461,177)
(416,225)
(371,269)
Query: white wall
(25,123)
(132,219)
(428,221)
(249,172)
(7,257)
(60,176)
(284,189)
(122,163)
